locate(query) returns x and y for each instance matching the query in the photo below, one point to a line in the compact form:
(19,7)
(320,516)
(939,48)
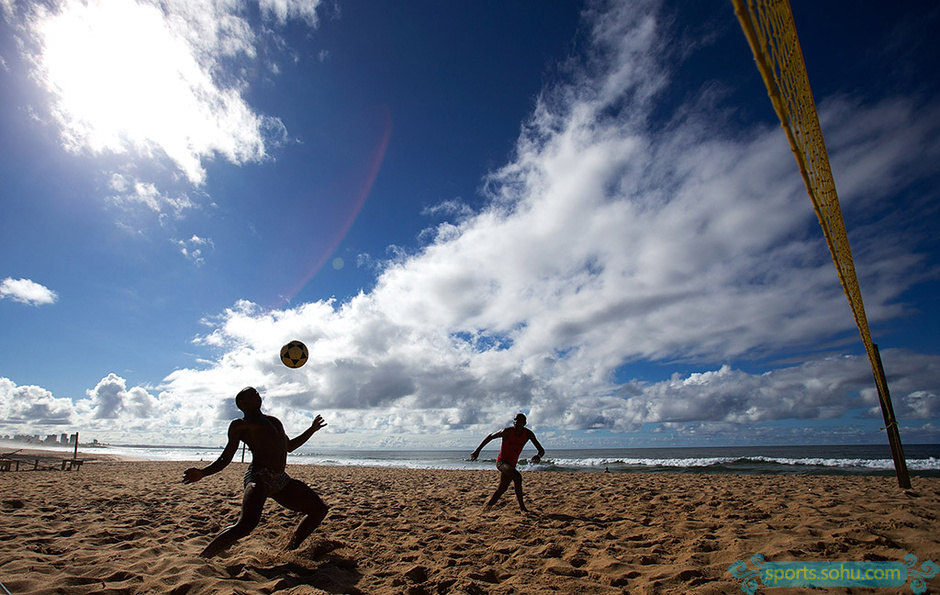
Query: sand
(132,527)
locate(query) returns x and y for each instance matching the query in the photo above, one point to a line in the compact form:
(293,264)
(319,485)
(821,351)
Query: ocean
(923,460)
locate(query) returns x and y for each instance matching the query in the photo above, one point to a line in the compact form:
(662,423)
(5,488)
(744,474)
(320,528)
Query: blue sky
(587,212)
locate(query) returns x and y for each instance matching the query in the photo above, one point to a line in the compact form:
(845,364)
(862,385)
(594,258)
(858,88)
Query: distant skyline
(586,212)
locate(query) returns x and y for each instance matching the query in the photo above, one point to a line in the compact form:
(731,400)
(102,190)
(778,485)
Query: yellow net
(771,33)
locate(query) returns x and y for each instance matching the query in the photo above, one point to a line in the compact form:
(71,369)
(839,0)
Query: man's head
(248,400)
(519,421)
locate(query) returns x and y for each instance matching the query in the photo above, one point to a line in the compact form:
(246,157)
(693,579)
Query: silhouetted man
(265,476)
(514,439)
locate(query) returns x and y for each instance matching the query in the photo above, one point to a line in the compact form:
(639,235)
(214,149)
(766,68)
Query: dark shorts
(273,481)
(506,468)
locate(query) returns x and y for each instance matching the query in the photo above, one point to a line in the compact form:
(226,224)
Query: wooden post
(891,425)
(75,453)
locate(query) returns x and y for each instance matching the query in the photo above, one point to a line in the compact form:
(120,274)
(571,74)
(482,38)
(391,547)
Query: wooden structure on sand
(31,461)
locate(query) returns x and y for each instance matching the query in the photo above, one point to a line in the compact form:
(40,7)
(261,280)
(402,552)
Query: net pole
(891,425)
(770,31)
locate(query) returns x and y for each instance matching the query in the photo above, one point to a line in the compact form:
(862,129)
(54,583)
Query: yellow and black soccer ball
(294,354)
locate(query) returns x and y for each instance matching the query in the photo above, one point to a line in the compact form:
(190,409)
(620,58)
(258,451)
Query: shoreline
(867,460)
(133,527)
(31,453)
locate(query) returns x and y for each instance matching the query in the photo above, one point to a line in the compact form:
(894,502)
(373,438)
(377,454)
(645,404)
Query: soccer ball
(294,354)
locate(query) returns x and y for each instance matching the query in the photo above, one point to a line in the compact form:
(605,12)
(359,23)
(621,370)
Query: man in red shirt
(514,439)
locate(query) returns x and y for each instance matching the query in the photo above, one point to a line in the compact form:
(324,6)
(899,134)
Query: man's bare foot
(212,551)
(293,544)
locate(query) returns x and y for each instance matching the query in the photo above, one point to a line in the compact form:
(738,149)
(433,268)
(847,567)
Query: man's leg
(252,505)
(298,496)
(517,481)
(505,477)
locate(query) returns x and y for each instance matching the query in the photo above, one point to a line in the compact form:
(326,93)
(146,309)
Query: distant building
(51,439)
(63,438)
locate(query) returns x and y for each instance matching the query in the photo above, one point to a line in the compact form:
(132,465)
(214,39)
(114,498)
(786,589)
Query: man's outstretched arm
(294,443)
(487,440)
(535,442)
(193,475)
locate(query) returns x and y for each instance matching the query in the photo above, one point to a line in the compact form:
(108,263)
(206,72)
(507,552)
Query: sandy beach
(132,527)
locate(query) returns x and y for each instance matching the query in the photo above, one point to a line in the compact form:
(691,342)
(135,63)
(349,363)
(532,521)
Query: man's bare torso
(265,436)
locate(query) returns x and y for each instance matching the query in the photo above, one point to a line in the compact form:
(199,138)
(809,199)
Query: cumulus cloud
(27,292)
(608,243)
(152,82)
(31,406)
(365,406)
(110,409)
(827,388)
(111,399)
(373,377)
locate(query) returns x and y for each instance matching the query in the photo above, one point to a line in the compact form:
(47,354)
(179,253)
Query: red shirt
(512,445)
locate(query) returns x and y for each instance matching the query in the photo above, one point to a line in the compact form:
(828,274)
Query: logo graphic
(833,574)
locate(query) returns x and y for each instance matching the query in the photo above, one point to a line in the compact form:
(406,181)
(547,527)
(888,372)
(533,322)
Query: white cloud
(111,409)
(816,390)
(867,163)
(26,291)
(134,192)
(284,10)
(193,248)
(428,408)
(111,399)
(126,78)
(152,81)
(606,245)
(25,407)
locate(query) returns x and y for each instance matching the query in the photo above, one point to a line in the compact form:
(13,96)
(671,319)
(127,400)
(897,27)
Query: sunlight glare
(126,80)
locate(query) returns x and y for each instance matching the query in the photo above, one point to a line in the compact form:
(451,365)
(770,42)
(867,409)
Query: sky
(584,211)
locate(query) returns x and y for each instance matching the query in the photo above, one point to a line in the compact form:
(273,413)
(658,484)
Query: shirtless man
(265,477)
(514,439)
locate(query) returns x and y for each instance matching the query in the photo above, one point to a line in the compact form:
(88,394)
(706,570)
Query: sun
(126,77)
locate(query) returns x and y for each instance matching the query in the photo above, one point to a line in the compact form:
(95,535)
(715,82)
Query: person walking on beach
(514,438)
(269,444)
